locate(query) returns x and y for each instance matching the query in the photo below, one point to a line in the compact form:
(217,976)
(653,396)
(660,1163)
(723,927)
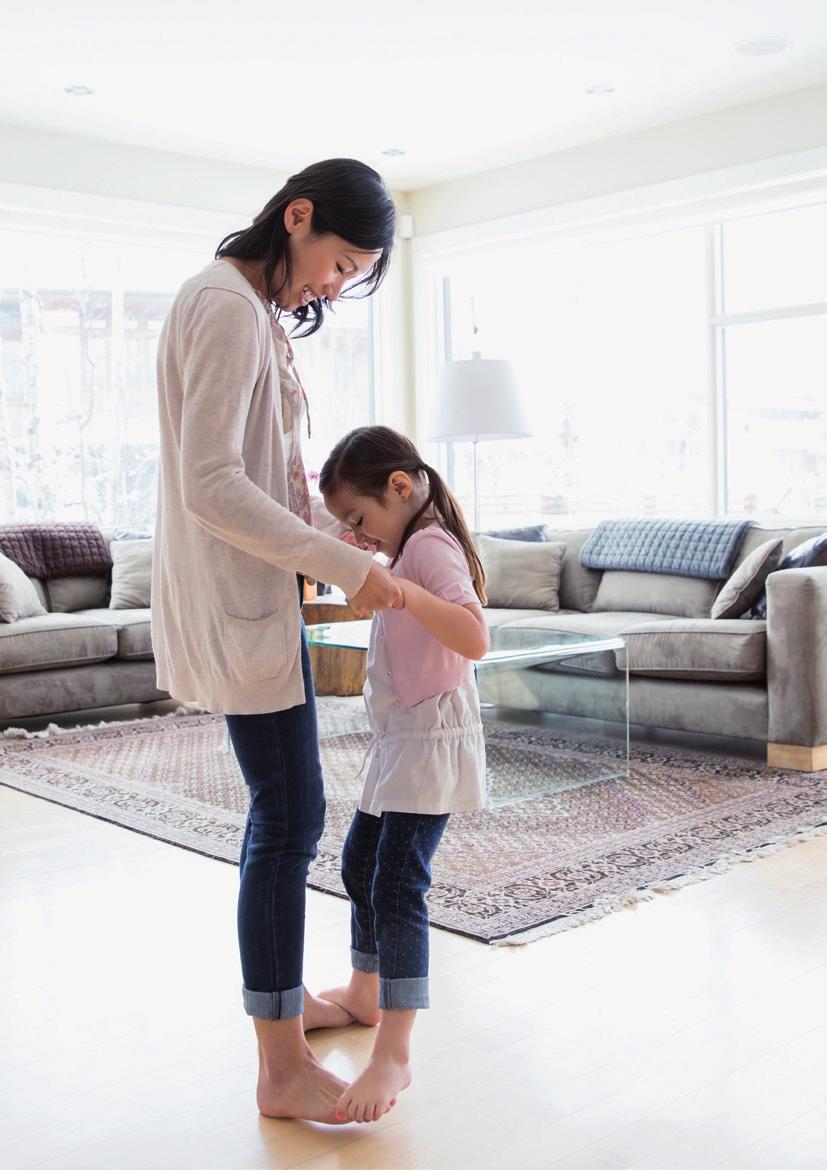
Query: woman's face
(322,265)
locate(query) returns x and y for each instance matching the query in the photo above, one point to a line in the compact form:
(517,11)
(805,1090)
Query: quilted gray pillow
(18,596)
(746,583)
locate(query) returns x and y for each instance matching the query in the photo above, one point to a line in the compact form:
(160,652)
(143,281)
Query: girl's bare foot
(359,998)
(388,1071)
(374,1092)
(323,1013)
(309,1091)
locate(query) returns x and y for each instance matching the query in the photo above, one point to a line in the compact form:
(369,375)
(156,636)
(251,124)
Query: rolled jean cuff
(402,994)
(360,961)
(274,1005)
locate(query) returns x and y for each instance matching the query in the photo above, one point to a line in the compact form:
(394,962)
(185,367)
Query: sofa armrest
(797,656)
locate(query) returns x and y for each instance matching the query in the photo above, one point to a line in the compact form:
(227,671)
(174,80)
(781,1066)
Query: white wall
(788,124)
(72,162)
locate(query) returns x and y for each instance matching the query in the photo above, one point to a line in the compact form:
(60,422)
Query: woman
(234,530)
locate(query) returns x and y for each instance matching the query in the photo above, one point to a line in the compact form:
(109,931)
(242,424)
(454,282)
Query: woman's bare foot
(323,1013)
(359,998)
(309,1092)
(373,1093)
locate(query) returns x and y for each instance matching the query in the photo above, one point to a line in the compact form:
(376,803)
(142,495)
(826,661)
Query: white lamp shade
(478,399)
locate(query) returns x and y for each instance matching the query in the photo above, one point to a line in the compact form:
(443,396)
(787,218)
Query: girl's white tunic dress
(427,754)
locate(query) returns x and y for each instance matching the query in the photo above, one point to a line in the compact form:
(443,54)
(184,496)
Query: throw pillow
(746,583)
(804,556)
(131,573)
(522,574)
(18,596)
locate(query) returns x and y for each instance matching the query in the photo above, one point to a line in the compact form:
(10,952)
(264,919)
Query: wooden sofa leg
(803,759)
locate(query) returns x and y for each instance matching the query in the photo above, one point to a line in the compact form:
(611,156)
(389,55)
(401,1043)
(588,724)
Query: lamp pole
(476,488)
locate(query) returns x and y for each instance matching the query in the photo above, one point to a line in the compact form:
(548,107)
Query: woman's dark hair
(364,461)
(349,200)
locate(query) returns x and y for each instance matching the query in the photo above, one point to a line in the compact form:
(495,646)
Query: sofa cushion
(715,650)
(522,573)
(67,594)
(501,616)
(578,585)
(622,590)
(131,574)
(42,591)
(18,593)
(608,625)
(792,537)
(746,583)
(57,639)
(132,626)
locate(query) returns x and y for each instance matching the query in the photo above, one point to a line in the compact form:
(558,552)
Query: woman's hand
(380,591)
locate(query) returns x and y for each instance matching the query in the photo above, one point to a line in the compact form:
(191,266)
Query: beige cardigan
(225,613)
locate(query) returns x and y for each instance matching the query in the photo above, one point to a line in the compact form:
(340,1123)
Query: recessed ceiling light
(394,151)
(763,46)
(600,89)
(79,90)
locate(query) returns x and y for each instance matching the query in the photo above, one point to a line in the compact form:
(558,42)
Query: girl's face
(322,265)
(377,525)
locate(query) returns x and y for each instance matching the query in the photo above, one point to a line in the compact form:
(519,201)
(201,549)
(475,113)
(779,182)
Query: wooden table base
(336,671)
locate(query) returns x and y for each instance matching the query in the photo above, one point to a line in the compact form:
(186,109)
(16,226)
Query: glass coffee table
(540,774)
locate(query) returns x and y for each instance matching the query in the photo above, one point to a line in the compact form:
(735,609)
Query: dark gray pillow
(532,532)
(746,582)
(804,556)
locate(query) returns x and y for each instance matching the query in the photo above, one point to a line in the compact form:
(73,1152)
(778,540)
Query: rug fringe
(55,729)
(603,907)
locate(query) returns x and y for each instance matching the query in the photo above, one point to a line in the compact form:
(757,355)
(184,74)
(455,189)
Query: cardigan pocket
(255,648)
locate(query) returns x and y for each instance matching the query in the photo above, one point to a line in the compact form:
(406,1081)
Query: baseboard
(803,759)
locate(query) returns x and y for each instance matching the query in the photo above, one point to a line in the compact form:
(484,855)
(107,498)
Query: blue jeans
(278,754)
(386,869)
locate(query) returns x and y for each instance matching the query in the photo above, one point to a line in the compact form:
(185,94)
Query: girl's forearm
(456,626)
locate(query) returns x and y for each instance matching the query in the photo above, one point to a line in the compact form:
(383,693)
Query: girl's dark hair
(365,459)
(349,200)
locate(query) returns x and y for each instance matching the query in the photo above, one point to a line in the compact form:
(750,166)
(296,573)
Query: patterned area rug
(510,874)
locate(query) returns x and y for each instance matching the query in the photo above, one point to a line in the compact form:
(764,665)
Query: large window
(336,370)
(678,372)
(772,362)
(79,324)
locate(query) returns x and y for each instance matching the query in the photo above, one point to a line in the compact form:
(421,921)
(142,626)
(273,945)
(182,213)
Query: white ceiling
(462,85)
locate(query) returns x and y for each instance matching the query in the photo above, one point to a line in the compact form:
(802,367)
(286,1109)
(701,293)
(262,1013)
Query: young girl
(427,756)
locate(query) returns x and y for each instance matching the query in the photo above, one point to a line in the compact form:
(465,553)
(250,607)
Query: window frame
(567,229)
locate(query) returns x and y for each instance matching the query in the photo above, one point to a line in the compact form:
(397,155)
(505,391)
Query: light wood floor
(689,1033)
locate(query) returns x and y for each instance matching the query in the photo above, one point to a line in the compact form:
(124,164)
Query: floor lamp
(478,400)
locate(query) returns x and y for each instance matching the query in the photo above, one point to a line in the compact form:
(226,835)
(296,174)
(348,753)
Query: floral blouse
(294,410)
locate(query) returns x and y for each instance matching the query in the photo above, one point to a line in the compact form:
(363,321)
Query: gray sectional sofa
(753,679)
(764,680)
(80,654)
